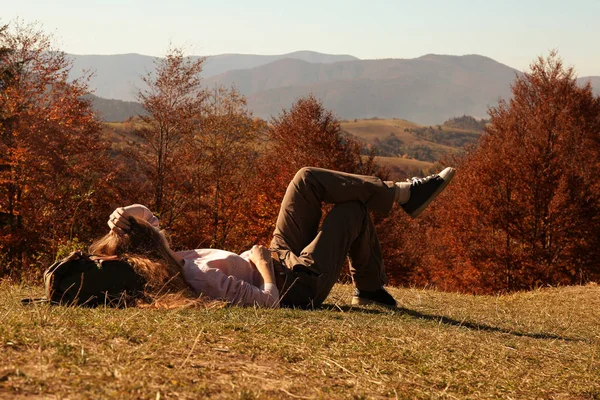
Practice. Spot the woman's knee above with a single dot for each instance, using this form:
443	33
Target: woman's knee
305	178
303	174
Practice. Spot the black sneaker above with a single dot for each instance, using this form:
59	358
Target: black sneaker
380	297
424	190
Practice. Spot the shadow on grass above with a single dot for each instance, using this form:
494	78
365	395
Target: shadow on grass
441	319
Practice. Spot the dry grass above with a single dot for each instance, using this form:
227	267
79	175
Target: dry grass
369	130
540	344
404	162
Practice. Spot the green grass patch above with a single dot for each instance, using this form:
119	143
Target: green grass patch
540	344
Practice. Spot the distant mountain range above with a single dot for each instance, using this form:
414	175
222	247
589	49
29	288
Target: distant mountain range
115	110
429	89
118	76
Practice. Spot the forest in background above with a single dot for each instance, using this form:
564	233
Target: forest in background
522	212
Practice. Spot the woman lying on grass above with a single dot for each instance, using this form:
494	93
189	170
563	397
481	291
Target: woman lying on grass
304	260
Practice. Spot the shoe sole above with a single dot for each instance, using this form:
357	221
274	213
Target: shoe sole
448	174
359	301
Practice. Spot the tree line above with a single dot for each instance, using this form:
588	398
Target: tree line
523	210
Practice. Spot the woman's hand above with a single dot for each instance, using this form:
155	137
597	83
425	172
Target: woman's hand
261	257
259	253
118	222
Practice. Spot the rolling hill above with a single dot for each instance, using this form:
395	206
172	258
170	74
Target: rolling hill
115	110
429	89
117	76
407	148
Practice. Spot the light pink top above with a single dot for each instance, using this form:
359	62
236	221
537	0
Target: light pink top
223	275
220	274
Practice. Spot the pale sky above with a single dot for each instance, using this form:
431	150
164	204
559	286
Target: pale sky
510	31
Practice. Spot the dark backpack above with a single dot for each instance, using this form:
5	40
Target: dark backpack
82	281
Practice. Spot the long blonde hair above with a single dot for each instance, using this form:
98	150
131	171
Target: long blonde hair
147	250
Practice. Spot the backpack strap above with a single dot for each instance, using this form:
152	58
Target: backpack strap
28	301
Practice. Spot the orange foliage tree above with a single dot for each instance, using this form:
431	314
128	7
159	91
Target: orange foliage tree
199	156
524	209
50	152
173	98
310	135
223	159
305	135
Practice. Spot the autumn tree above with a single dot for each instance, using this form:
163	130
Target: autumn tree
200	154
173	98
222	161
525	204
305	135
49	148
310	135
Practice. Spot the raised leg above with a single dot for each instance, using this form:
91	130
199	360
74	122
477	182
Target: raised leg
300	210
316	255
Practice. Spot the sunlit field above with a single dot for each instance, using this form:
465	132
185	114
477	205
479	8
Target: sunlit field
539	344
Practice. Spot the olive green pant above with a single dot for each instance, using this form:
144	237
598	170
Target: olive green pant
311	256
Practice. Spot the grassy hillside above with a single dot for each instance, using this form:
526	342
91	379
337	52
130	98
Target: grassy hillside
408	148
540	344
409	133
405	147
371	129
122	135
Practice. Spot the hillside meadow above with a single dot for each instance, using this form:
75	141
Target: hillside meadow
372	130
122	135
400	168
539	344
404	146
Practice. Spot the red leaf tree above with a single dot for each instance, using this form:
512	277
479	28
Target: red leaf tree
310	135
305	135
173	98
50	150
524	209
222	160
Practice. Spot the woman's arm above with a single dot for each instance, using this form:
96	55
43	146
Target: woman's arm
261	258
118	219
215	284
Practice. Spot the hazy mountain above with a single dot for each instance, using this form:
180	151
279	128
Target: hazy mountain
118	76
115	76
428	89
111	110
594	80
215	65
